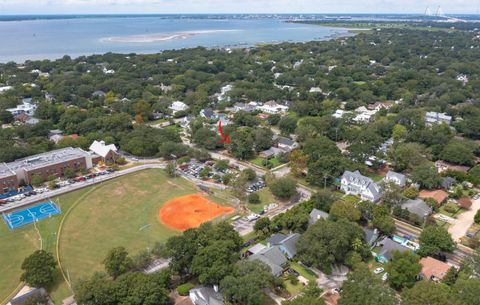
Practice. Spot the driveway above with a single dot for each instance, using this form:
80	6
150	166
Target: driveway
464	221
335	280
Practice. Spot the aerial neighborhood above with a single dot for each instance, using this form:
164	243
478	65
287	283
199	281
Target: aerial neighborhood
343	171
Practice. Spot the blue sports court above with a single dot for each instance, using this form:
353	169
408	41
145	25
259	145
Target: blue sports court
31	214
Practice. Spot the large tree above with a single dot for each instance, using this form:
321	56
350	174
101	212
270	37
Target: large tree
435	239
344	210
426	175
38	269
403	269
245	286
283	188
117	262
328	242
364	288
426	292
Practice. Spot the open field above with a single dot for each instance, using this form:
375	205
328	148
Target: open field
266	198
120	212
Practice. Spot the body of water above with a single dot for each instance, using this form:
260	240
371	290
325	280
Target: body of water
53	38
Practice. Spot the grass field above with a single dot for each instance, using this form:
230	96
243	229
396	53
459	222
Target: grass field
108	215
266	198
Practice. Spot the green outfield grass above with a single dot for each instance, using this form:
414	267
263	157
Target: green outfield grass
95	219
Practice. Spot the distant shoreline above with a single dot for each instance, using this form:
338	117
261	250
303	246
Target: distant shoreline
160	36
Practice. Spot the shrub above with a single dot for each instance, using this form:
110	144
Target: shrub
185	288
410	193
293	279
450	208
36	180
477	217
121	160
253	198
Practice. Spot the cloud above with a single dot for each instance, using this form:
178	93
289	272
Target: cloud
234	6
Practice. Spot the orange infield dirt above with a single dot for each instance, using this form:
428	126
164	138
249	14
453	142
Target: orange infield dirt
190	211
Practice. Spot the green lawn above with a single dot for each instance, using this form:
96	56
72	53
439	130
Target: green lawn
375	177
266	198
292	289
103	216
303	271
444	212
259	162
351	198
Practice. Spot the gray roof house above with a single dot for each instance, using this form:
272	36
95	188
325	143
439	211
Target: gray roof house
208	114
27	298
315	215
448	182
206	296
272	257
286	243
388	246
397	178
437	118
356	184
286	144
417	207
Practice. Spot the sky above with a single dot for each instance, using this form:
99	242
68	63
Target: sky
234	6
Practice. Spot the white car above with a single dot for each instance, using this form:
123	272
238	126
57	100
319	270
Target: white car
385	277
253	217
378	270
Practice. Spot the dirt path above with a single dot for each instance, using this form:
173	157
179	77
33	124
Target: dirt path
464	221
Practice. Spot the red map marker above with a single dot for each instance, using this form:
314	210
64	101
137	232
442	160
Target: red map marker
225	138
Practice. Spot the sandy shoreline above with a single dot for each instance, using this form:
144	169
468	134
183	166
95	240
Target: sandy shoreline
160	36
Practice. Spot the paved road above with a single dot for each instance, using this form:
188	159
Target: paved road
455	258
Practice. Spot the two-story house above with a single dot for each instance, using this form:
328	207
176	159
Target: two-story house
356	184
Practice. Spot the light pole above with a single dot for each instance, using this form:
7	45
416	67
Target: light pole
174	165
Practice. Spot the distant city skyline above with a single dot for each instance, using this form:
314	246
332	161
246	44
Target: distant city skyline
8	7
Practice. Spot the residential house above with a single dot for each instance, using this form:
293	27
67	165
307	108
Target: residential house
99	93
255	249
178	106
385	146
222	96
223	118
443	166
462	78
465	203
107	152
438	195
250	107
286	144
286	243
417	207
433	269
272	257
273	107
357	184
208	114
270	153
364	115
448	182
437	118
316	215
206	295
339	113
397	178
55	135
5	88
27	107
379	105
315	90
387	247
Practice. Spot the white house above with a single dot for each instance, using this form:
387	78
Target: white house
26	107
339	113
364	115
315	90
437	118
397	178
5	88
272	107
356	184
206	296
178	106
107	152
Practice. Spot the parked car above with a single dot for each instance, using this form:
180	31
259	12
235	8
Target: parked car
385	277
378	270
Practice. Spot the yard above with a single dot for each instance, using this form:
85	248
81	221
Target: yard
266	198
259	161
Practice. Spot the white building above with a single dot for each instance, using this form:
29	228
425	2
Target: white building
364	115
5	88
462	78
339	113
178	106
107	152
397	178
222	96
357	184
206	296
315	90
437	118
272	108
26	107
